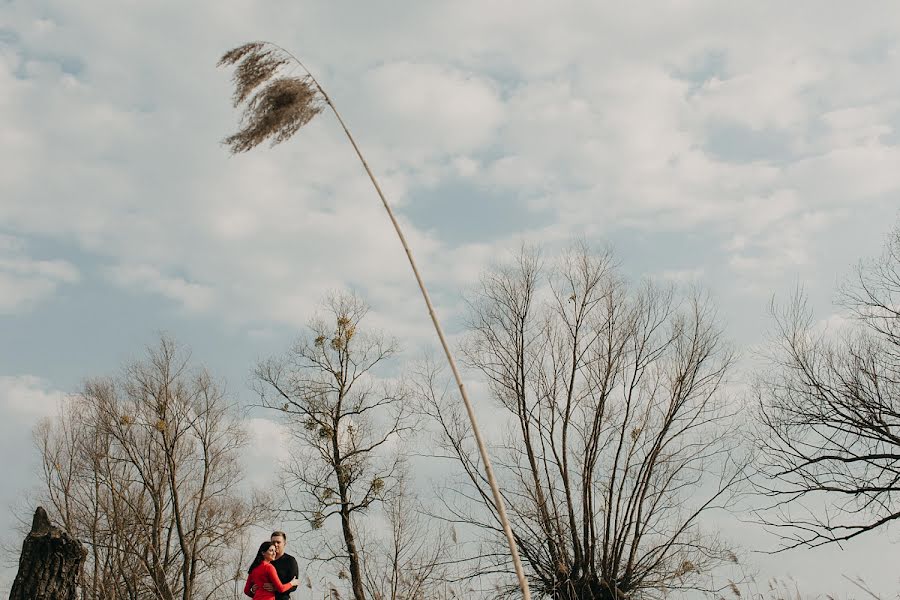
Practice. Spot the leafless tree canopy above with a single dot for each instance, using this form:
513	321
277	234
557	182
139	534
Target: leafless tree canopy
830	413
144	469
410	560
342	419
618	435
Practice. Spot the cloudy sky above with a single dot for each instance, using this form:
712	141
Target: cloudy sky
750	147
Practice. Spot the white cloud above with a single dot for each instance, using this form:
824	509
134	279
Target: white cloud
28	398
682	275
430	109
772	94
193	296
600	138
781	246
25	281
858	125
268	444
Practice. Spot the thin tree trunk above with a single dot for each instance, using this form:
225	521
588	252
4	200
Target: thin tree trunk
353	553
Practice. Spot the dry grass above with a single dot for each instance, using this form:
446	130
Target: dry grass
275	107
788	589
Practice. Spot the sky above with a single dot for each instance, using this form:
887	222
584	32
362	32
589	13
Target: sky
747	147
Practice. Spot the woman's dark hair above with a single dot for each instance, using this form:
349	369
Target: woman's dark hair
263	548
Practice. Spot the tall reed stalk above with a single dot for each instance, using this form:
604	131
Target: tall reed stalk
280	107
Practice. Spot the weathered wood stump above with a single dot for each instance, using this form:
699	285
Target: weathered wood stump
50	566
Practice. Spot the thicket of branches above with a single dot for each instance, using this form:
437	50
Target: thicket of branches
144	468
830	412
409	560
614	436
618	434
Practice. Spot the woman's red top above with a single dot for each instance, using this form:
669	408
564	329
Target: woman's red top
264	573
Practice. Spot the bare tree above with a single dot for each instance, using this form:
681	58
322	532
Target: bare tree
144	468
829	408
344	419
618	436
410	560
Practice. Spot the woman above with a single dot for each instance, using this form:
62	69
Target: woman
262	571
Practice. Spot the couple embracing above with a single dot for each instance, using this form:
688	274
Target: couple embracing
270	568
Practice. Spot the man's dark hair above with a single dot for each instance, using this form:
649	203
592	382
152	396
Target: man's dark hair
281	533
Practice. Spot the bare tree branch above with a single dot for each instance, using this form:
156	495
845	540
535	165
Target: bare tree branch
829	413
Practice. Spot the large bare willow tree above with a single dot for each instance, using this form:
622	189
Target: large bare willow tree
277	104
830	413
144	469
618	431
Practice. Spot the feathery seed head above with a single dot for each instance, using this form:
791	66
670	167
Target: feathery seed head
253	71
275	107
236	54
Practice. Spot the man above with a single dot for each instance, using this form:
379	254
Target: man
285	565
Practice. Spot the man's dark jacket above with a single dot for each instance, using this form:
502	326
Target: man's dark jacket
287	569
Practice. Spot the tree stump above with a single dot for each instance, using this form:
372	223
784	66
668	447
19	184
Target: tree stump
50	566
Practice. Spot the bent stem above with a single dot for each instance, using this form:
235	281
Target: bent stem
482	448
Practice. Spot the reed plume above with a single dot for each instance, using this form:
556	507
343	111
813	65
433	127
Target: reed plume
279	109
282	106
